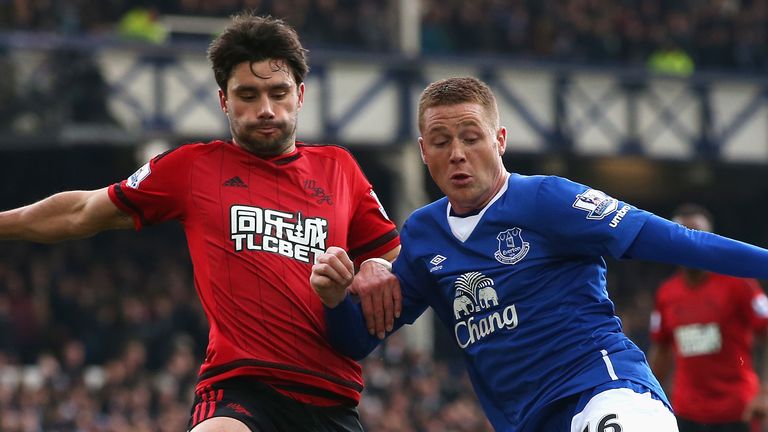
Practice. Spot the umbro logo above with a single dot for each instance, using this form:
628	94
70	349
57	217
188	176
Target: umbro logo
236	182
437	260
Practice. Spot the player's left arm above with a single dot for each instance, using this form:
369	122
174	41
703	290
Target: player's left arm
754	305
347	330
662	360
664	241
346	326
378	291
373	244
757	408
373	286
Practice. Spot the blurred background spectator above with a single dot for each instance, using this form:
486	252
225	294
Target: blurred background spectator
107	334
714	34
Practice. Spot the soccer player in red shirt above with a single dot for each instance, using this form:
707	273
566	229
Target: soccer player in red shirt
704	325
256	210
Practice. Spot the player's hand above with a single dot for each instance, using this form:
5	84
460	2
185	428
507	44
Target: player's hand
380	297
757	408
332	273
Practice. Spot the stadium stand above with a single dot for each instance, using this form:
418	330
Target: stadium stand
87	345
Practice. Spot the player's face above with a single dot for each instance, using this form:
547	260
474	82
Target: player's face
262	102
462	150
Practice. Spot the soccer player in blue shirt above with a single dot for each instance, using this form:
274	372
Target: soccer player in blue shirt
513	266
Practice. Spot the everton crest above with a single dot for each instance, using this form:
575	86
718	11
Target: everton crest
512	248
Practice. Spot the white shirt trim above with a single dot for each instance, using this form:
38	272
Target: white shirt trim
462	227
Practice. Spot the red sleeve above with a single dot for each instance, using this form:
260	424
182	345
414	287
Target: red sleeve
156	192
371	232
659	326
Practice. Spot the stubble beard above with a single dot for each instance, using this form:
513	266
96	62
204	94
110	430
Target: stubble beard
269	147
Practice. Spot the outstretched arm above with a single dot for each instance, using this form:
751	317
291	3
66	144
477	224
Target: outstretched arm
665	241
64	216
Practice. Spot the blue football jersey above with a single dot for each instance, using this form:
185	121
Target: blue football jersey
521	286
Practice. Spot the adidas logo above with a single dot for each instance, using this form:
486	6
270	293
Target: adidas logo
236	182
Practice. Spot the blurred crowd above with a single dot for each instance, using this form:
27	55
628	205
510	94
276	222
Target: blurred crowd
709	34
107	334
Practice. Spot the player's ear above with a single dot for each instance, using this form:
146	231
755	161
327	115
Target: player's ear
421	150
501	140
300	91
223	101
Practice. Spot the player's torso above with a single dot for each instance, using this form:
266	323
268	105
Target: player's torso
294	209
712	338
255	228
531	319
700	316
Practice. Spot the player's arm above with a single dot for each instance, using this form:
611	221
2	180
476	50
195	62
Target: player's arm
331	275
63	216
661	359
347	331
346	326
758	406
378	291
664	241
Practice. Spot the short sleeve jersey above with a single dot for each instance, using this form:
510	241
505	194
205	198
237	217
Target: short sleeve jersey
521	287
711	326
254	228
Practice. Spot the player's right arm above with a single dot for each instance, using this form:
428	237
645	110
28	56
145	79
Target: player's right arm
63	216
661	359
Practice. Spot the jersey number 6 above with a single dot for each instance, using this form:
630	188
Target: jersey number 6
606	425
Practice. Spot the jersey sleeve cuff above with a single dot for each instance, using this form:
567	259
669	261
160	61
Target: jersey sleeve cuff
121	201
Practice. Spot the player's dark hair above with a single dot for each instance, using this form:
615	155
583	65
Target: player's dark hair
692	209
252	38
458	90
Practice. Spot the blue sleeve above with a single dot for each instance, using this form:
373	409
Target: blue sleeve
345	324
668	242
346	330
586	221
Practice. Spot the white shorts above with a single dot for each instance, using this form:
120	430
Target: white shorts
623	410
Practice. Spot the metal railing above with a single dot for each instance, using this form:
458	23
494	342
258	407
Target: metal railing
106	91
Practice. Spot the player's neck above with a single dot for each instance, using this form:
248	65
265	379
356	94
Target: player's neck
694	277
269	155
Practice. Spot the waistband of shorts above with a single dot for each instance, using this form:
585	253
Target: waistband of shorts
638	388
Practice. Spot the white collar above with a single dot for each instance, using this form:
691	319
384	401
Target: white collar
462	227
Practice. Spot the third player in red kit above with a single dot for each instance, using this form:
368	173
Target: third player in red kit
705	324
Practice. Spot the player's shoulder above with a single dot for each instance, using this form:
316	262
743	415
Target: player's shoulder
543	186
331	151
540	194
188	150
556	184
522	180
733	281
427	215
